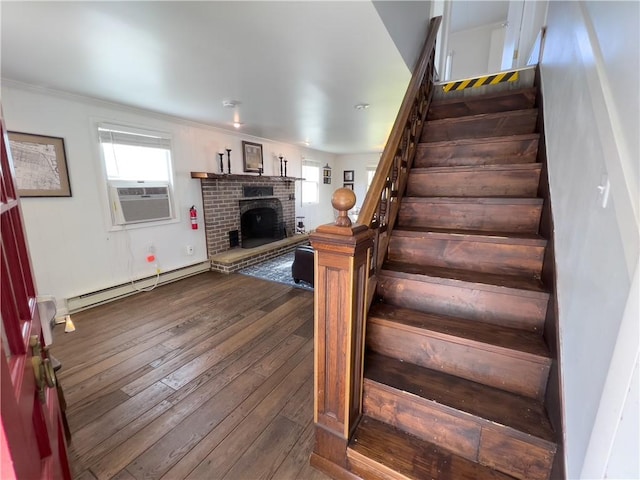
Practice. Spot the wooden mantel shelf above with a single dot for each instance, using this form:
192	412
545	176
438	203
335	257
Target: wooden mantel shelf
222	176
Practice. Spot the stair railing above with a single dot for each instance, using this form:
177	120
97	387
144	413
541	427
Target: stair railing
381	205
347	257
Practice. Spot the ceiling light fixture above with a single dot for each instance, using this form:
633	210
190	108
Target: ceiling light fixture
230	103
361	106
237	124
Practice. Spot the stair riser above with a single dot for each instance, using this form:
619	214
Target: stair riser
480	153
460	216
458	435
503	307
483	257
476	105
498	125
458	357
463	434
505	183
513	456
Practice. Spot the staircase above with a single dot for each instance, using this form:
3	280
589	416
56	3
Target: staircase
456	367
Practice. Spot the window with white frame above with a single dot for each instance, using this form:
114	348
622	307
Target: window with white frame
139	173
310	182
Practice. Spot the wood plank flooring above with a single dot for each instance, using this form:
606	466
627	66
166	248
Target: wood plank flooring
210	377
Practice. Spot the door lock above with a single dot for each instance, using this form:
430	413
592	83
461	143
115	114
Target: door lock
42	368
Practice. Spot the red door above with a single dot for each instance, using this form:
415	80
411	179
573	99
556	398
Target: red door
32	444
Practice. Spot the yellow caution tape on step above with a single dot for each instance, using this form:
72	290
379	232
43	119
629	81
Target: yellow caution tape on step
480	81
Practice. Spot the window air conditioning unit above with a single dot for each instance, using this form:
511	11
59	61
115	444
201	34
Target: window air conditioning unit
137	202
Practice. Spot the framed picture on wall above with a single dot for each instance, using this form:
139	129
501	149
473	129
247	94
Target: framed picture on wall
348	176
252	157
40	165
347	185
326	174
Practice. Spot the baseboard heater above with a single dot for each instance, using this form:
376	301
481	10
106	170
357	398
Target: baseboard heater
93	299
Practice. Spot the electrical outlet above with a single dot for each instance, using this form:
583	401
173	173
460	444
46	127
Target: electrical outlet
189	249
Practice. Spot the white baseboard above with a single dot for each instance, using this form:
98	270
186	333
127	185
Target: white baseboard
93	299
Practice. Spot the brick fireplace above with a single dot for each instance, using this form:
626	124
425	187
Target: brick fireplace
226	197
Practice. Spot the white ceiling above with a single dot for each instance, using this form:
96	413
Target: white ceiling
298	68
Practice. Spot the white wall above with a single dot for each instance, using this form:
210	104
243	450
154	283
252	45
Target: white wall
590	82
533	19
471	50
442	8
321	213
615	438
357	163
72	248
406	22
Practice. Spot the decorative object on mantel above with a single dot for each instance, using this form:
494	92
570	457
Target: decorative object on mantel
326	174
252	156
221	154
343	200
40	165
281	158
285	167
228	160
348	176
300	228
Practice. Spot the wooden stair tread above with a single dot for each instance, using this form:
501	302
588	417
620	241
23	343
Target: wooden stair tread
507	149
477	168
487	213
512	238
480	117
411	457
483	251
521	343
487	404
529	91
477	200
481	125
502	180
503	101
529	286
476	141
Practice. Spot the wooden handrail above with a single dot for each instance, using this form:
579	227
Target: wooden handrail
380	207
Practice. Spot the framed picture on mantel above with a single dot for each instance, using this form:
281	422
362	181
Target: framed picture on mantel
252	157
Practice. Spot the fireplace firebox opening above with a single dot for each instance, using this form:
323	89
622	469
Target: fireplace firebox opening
260	226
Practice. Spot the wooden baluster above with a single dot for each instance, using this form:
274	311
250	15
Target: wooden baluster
342	260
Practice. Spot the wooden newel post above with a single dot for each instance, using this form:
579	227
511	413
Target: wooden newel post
342	260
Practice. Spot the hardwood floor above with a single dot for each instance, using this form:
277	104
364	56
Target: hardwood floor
210	377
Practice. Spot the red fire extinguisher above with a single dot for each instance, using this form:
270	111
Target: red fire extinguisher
193	215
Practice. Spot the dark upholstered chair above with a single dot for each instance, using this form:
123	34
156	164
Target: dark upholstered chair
302	266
